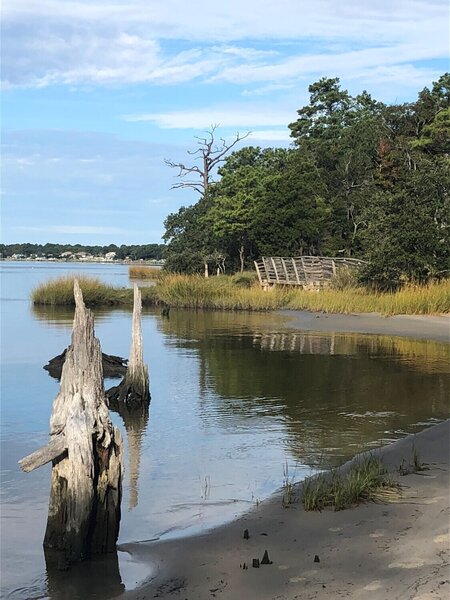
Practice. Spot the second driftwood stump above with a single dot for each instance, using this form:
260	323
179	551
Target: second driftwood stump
85	450
134	389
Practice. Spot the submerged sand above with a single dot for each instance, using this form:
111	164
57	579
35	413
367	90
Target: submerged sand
378	551
412	326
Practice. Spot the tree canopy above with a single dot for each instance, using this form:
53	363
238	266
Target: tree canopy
361	178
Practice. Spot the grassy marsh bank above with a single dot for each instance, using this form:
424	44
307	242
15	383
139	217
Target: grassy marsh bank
143	272
240	292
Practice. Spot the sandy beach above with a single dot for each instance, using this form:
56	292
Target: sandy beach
412	326
398	549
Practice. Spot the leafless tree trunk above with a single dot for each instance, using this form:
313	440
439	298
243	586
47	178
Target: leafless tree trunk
210	154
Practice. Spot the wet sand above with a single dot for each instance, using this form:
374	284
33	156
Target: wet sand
399	549
414	326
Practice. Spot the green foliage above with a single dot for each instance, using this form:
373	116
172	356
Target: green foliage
362	179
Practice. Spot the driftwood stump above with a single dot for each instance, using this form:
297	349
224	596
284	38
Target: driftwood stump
86	451
134	388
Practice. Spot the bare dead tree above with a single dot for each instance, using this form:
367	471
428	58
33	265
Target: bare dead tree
210	153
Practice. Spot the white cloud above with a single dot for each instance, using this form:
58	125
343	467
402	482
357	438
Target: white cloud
272	135
104	42
202	21
345	63
222	116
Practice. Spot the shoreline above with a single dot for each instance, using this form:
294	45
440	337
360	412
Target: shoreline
398	549
429	327
192	567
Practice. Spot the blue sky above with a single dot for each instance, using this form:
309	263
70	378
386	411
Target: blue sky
97	93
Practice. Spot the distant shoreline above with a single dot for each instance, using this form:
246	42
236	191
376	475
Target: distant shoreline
150	262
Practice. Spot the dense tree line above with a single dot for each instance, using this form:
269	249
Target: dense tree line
134	252
361	178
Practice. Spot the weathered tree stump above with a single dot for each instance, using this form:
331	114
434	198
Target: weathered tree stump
86	450
134	388
113	366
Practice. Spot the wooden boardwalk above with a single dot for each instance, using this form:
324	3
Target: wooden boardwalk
304	271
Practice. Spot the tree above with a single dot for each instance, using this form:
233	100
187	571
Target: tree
238	199
211	154
341	133
180	226
190	243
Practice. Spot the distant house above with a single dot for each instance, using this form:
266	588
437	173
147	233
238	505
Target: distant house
110	256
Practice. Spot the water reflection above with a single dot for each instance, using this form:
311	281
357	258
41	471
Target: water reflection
62	316
335	394
98	577
234	396
135	419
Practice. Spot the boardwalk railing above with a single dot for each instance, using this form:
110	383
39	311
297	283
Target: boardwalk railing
303	271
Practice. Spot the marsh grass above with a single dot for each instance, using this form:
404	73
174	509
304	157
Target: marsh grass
239	293
59	291
366	480
417	300
146	273
233	293
417	465
288	486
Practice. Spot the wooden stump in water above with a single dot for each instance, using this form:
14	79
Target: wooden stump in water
134	388
86	450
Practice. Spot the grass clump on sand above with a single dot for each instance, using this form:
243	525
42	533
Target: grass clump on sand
59	291
146	273
366	480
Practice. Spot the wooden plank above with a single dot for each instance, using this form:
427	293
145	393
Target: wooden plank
285	270
258	273
296	272
275	269
304	270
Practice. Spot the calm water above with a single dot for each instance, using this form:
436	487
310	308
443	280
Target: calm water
235	396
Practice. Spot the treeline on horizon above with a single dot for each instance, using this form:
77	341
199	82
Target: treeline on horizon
361	179
134	252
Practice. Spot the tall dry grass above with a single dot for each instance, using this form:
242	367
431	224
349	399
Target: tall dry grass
59	291
228	293
432	299
143	272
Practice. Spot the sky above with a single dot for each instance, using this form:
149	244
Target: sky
97	93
